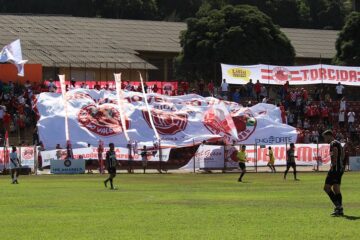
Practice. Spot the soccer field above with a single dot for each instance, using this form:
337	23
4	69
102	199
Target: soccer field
177	206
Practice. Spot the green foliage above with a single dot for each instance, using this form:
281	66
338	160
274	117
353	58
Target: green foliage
178	10
236	35
327	14
348	43
177	206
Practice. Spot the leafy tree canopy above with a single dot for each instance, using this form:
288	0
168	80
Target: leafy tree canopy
348	43
233	34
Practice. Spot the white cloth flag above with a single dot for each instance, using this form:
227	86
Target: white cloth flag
180	120
12	53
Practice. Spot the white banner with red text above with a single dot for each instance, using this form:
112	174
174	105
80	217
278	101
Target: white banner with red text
296	75
212	156
180	120
26	156
122	154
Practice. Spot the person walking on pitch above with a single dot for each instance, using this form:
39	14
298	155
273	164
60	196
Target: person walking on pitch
271	160
333	179
111	164
14	166
242	158
290	161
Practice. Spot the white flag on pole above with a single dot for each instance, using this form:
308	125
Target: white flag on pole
12	53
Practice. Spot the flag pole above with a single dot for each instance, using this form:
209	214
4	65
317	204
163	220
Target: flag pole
148	109
67	134
119	96
151	121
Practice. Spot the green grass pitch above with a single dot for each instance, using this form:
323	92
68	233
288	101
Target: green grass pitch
177	206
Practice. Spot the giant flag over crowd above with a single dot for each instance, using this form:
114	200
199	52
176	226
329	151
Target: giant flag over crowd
179	120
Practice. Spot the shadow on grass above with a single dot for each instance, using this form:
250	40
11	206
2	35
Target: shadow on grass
351	218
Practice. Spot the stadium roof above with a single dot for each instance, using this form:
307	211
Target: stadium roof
312	43
60	40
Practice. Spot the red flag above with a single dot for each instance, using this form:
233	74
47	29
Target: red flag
6	139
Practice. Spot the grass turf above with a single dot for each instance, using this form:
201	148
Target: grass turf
176	206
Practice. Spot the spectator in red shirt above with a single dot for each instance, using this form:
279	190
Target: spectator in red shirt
6	121
257	88
211	88
201	87
325	115
98	87
155	88
305	95
185	87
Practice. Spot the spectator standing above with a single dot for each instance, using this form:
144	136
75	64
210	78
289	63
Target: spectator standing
306	124
263	92
185	87
342	104
250	88
128	86
97	86
201	87
224	89
51	86
325	114
341	119
351	117
236	96
257	89
291	119
211	88
339	90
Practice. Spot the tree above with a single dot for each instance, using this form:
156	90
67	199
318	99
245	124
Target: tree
178	10
235	35
348	42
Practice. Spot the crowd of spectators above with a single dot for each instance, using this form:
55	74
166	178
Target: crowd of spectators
310	110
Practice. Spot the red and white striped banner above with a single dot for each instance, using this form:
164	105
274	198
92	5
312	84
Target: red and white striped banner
296	75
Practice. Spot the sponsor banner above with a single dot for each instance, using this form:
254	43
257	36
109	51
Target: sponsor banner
67	166
2	155
122	154
208	156
179	120
354	163
296	75
27	156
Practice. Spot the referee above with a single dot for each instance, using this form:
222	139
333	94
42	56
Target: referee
242	158
111	164
333	179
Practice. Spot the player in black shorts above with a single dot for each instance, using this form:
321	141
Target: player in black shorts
111	164
290	161
333	179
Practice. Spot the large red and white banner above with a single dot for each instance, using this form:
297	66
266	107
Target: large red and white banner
179	120
122	154
212	157
296	75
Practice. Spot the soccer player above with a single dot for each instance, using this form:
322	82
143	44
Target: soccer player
111	164
242	158
271	160
290	161
14	166
144	159
333	179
